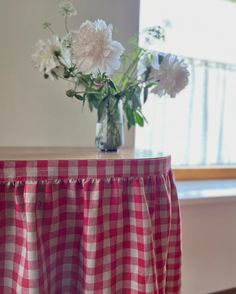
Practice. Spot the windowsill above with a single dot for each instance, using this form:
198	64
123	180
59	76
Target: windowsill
208	191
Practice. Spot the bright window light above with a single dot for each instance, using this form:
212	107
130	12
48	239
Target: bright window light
198	127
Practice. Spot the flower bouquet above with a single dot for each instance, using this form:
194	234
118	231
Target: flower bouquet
100	74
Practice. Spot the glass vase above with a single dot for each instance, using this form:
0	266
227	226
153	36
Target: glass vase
110	127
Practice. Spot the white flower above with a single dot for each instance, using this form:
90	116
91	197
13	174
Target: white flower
147	60
172	77
94	50
50	57
67	9
57	72
45	56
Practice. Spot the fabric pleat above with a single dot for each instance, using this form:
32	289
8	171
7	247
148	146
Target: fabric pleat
115	232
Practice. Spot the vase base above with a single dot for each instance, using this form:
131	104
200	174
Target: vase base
109	150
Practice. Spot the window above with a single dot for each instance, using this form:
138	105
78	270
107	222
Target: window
198	127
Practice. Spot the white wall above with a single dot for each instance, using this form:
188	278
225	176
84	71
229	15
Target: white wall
209	246
34	111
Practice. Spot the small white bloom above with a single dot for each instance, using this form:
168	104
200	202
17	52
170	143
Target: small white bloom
148	59
172	77
94	50
67	9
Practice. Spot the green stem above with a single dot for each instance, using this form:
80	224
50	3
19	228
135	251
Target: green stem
66	24
130	67
87	92
49	28
113	131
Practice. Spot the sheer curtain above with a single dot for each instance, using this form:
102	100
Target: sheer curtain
199	126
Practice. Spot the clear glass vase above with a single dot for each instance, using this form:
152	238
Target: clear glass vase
110	127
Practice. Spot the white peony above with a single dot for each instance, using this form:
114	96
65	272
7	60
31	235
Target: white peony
94	50
172	77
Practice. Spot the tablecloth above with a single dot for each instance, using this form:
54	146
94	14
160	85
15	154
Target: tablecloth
89	226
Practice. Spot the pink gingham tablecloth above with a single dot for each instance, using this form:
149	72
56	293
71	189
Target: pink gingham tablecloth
89	226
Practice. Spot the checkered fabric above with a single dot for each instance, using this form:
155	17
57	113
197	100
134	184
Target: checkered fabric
89	226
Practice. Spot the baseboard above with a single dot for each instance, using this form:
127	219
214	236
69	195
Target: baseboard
229	291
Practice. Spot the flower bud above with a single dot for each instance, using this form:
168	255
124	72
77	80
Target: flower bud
70	93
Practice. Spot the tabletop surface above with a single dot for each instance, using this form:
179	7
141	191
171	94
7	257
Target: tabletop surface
73	153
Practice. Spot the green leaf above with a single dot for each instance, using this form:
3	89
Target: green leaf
147	73
111	84
137	97
119	95
90	105
130	116
144	118
79	97
85	80
150	84
145	94
133	41
139	120
96	103
92	101
117	77
101	109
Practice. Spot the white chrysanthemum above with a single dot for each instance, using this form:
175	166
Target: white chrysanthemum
172	77
67	9
50	57
45	56
94	50
58	71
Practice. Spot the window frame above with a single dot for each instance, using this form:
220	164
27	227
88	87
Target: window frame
204	173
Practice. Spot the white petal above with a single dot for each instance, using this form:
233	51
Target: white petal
92	47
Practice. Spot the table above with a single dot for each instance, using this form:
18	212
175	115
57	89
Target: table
77	220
